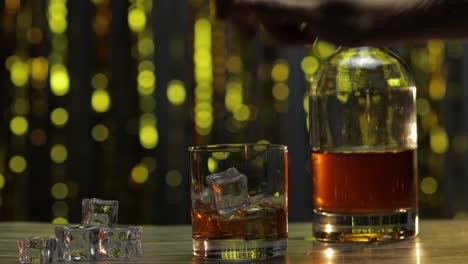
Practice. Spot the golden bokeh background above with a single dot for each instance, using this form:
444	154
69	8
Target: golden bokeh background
102	98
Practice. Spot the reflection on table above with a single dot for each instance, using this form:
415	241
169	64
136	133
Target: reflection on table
440	241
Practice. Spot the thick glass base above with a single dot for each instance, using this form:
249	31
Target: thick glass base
364	228
238	250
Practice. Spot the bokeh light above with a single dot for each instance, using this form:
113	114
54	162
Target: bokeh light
280	91
394	82
437	88
100	101
305	104
309	65
242	113
39	68
59	117
173	178
12	5
212	165
146	80
203	94
430	120
139	174
59	80
203	73
149	136
2	181
435	50
21	106
203	33
19	75
439	140
137	19
58	24
176	92
99	81
204	118
100	133
280	71
60	221
10	60
17	164
235	92
147	119
324	49
145	46
59	191
19	125
428	185
423	106
220	155
58	153
233	97
146	65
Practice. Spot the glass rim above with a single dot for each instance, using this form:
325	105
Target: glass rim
235	147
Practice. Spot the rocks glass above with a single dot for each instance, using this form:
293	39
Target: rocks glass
239	201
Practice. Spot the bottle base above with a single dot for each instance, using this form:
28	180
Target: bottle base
238	250
365	228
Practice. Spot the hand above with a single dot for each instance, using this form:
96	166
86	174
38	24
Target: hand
348	22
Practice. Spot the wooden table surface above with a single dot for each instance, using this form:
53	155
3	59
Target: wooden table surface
439	241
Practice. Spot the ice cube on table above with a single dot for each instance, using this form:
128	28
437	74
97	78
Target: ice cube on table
99	212
120	242
37	250
77	242
229	190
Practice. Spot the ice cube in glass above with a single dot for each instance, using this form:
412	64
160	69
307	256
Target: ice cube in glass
228	190
77	242
99	212
120	242
37	250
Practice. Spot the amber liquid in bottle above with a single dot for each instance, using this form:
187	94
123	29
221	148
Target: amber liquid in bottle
364	182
